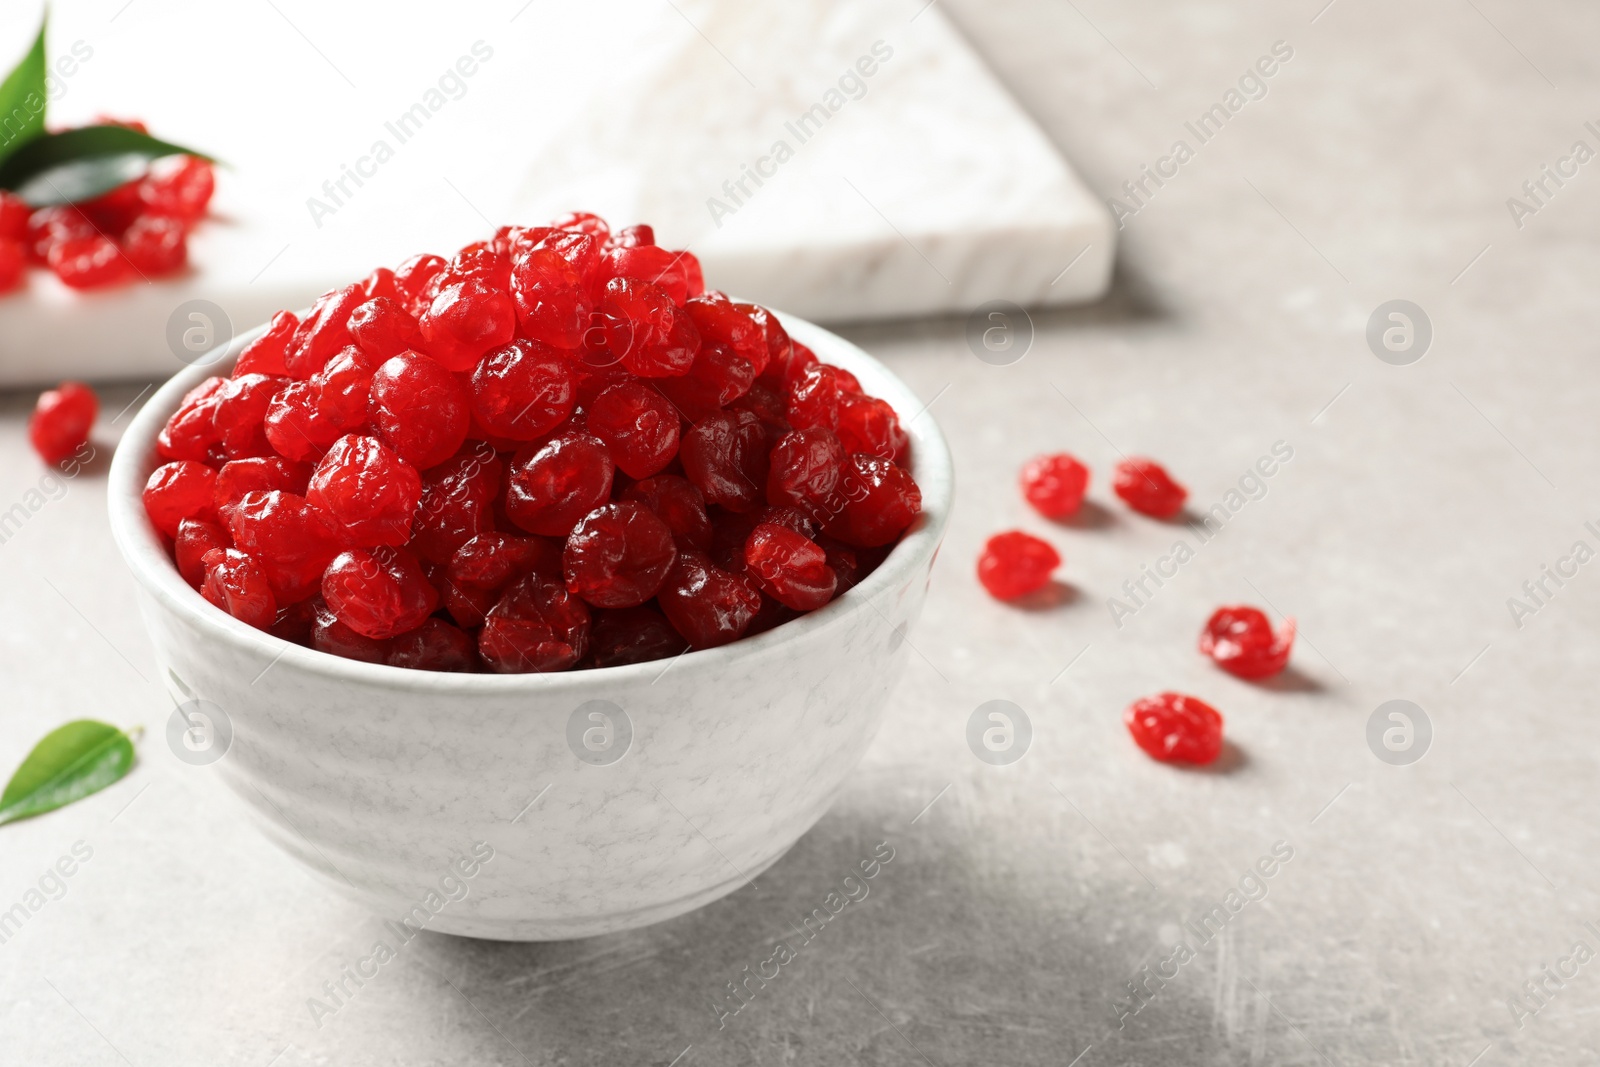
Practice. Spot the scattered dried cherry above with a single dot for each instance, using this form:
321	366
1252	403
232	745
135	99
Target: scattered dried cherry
1014	564
1240	640
61	421
1055	484
1175	728
1146	487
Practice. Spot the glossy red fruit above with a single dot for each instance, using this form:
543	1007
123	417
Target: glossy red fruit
291	540
178	491
706	604
618	555
554	485
805	469
649	263
678	504
535	627
726	457
465	320
13	264
1175	728
870	425
721	321
341	392
381	282
192	430
294	426
61	421
325	331
330	635
382	329
493	560
638	425
413	278
380	593
419	409
239	477
523	390
482	261
718	377
194	539
240	409
457	502
1240	640
1054	484
814	398
651	335
552	303
1014	564
155	246
789	567
881	500
178	186
265	355
1146	487
236	583
90	262
632	635
367	492
785	368
434	646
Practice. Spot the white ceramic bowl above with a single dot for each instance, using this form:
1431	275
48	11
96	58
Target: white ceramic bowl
395	784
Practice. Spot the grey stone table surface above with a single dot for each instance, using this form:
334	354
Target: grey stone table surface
1439	912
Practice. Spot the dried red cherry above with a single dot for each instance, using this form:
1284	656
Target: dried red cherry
706	604
368	493
465	320
1054	484
380	593
726	457
618	555
535	627
419	409
235	583
523	390
61	421
178	491
678	504
557	483
638	425
789	567
881	500
195	538
1147	487
1014	564
291	540
1175	728
1240	640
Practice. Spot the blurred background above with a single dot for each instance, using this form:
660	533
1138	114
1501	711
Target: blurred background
1002	153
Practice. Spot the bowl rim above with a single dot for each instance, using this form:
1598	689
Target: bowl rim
145	554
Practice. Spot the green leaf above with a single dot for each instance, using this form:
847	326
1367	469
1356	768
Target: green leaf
78	759
23	97
76	165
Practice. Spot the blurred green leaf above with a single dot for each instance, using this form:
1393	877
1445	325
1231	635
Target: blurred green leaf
73	761
23	98
76	165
